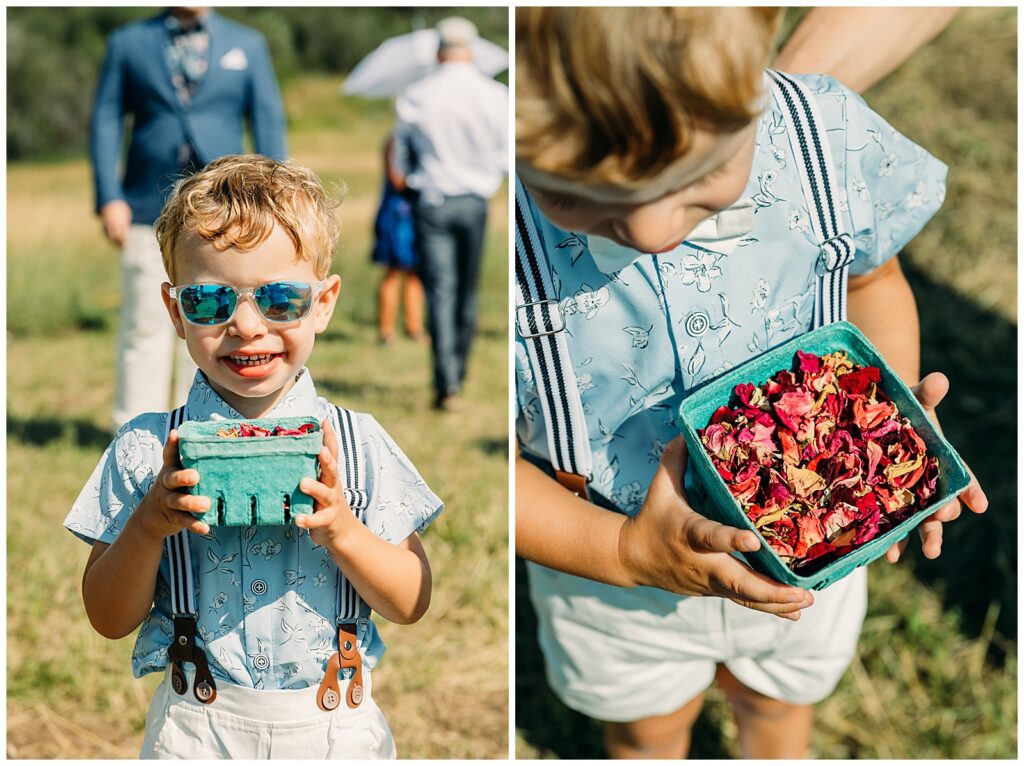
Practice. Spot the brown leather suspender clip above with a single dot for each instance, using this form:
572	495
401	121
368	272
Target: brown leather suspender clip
328	697
183	649
574	483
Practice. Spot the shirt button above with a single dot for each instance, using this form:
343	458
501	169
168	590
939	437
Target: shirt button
697	324
259	587
261	662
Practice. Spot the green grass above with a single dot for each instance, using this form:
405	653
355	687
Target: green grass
444	681
936	671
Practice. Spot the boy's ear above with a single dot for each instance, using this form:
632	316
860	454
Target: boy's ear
326	302
173	310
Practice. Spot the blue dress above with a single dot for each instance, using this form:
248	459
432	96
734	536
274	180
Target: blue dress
394	243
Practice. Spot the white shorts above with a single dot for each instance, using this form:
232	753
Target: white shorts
620	654
252	724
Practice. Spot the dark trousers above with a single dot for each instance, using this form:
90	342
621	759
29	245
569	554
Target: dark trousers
449	242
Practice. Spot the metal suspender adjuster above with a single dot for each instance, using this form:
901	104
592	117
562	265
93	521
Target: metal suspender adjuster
556	322
328	697
183	649
835	253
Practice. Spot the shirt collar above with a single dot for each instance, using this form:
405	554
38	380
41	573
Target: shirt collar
204	403
175	27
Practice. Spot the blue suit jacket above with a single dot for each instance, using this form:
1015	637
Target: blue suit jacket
136	81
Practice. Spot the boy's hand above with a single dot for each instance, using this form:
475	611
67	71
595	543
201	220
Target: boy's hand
930	391
669	545
332	518
164	510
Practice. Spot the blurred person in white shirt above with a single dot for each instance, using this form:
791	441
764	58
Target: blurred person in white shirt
451	146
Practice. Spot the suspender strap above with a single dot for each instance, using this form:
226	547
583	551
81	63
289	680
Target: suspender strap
183	605
814	161
350	607
540	323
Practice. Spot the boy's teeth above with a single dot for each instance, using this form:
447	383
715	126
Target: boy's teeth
252	360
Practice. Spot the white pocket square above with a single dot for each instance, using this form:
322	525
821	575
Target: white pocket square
234	59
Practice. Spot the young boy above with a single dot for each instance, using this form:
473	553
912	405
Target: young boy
680	211
251	624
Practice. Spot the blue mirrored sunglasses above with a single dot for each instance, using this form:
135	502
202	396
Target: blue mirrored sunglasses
212	304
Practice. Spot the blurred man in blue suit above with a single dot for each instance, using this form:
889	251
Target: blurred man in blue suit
188	78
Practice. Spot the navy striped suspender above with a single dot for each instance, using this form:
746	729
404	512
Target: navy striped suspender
813	159
350	605
183	597
183	648
540	323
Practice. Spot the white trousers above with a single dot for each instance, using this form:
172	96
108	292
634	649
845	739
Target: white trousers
149	352
252	724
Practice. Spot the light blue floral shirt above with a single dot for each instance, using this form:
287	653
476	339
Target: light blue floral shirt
266	594
644	337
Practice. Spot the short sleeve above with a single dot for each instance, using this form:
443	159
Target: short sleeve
399	501
893	186
117	484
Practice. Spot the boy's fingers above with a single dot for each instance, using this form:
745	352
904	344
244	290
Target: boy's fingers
931	538
668	478
707	536
313	520
748	588
187	477
949	512
896	550
171	450
974	495
328	467
330	438
191	523
318	491
180	501
931	390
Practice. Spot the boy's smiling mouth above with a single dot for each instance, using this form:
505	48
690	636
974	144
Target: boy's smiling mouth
252	365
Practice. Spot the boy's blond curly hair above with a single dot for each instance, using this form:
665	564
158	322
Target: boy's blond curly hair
614	95
235	201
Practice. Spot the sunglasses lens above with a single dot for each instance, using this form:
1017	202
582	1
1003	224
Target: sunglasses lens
284	301
208	304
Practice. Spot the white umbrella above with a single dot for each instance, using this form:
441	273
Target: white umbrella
400	61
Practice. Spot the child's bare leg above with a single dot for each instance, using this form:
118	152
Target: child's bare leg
659	736
412	290
387	303
768	728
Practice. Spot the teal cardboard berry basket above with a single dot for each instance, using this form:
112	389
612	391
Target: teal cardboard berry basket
718	503
251	480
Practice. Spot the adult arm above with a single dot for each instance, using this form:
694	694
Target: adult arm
395	176
882	305
859	46
266	115
106	132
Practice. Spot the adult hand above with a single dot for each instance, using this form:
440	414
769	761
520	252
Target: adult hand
930	391
332	517
165	510
669	545
117	217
